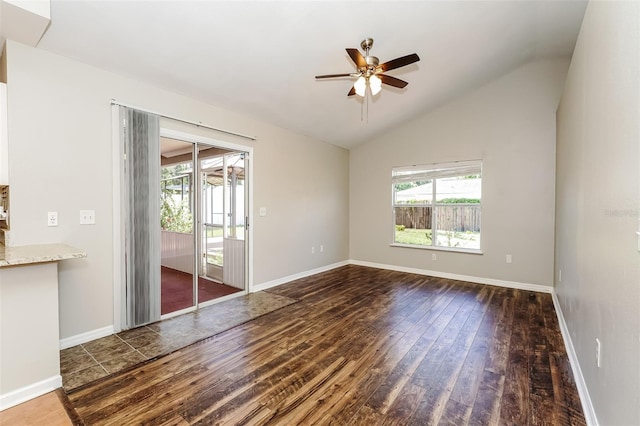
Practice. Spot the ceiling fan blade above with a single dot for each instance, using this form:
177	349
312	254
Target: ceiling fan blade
398	62
357	57
352	91
333	75
392	81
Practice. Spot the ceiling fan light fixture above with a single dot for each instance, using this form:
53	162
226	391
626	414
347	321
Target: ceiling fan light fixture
370	72
376	84
360	85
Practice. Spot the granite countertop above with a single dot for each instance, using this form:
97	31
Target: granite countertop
37	253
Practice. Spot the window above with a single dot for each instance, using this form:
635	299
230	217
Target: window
176	198
438	206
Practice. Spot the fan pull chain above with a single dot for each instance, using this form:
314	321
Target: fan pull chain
364	105
366	101
367	95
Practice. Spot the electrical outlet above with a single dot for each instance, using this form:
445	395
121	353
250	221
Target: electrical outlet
87	217
321	248
433	256
509	258
52	218
598	352
313	250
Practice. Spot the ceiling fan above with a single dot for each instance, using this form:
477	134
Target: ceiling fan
370	71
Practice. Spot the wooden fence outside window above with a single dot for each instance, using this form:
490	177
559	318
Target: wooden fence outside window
454	217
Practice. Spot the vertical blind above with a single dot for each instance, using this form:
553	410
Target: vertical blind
141	134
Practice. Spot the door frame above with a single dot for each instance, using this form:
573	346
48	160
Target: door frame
119	272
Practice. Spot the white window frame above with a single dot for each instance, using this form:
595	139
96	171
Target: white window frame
432	172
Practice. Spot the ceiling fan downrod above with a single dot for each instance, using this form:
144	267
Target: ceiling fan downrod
372	61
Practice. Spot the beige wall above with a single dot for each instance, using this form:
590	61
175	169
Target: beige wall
510	125
61	160
598	207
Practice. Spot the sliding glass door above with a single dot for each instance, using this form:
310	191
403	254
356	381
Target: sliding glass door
202	206
223	218
177	224
235	226
183	233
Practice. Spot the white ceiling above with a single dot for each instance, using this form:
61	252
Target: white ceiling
260	58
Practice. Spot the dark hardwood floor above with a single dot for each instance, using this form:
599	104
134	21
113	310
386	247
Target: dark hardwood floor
364	346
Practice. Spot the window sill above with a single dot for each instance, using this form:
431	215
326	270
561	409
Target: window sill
451	249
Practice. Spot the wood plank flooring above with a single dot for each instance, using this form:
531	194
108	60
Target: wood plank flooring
44	410
363	346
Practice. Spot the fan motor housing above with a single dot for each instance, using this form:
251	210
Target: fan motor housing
372	61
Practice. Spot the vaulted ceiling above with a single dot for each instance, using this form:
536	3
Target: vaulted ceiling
259	58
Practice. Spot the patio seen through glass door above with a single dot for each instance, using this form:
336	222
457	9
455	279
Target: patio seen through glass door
199	214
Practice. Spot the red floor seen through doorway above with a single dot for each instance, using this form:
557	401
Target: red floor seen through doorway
177	290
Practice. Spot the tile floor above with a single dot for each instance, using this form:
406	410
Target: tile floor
99	358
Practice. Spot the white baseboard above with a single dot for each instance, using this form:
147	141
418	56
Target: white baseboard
480	280
31	391
583	391
109	330
283	280
79	339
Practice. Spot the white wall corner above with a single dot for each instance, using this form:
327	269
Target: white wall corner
583	391
24	21
479	280
79	339
29	392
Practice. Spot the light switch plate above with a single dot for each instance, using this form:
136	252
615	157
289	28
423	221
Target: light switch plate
87	217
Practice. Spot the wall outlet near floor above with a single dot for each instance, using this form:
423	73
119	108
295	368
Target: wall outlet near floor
598	352
509	258
52	218
321	248
313	250
433	256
